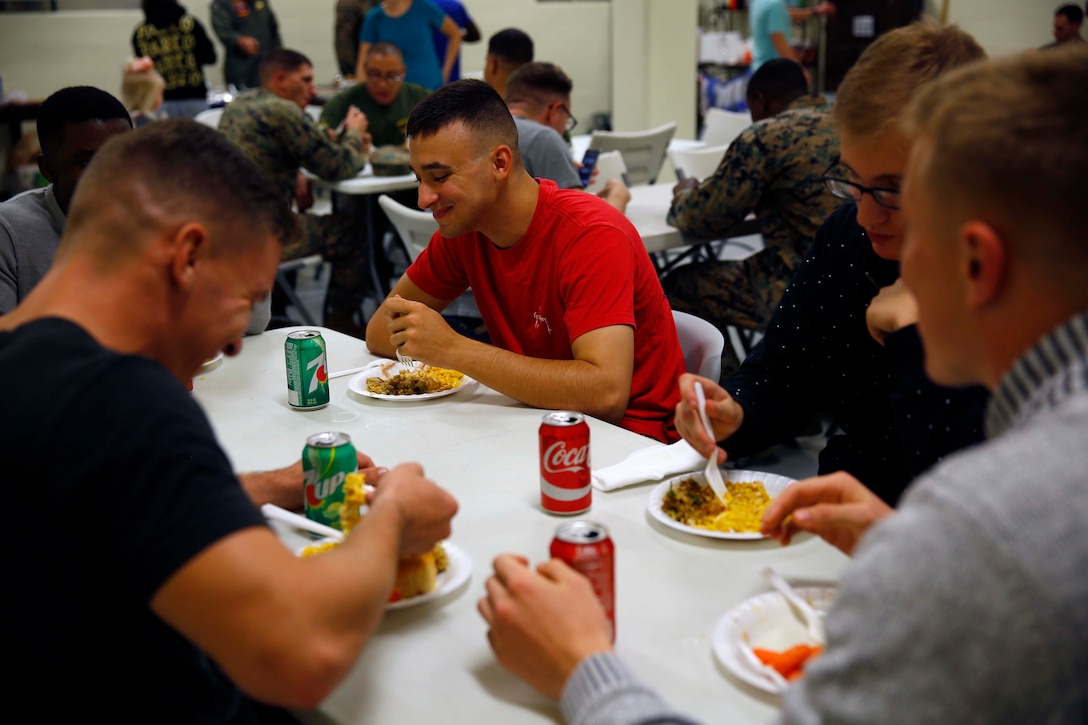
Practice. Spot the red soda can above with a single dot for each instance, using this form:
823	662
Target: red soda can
587	548
564	463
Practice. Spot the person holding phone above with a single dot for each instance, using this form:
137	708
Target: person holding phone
538	97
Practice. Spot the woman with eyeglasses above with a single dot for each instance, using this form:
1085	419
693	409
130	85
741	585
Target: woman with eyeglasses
843	339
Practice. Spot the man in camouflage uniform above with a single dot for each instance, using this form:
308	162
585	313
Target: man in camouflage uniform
774	169
350	15
248	30
272	128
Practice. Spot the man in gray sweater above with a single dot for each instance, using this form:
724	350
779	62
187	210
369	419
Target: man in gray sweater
969	602
72	124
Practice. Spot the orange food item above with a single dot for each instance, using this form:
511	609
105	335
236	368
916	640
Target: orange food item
790	663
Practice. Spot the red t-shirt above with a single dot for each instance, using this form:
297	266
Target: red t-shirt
581	266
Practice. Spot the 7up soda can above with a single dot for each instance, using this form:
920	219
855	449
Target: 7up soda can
326	460
307	373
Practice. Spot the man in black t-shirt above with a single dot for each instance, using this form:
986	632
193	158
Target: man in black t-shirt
158	594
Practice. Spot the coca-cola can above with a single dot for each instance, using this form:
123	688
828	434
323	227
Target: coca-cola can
587	548
564	463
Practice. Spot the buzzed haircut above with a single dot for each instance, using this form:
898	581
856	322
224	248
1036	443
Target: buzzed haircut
470	102
537	84
512	46
1009	145
875	93
385	48
189	171
779	79
1072	13
281	59
73	105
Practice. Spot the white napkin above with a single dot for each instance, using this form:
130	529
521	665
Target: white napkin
649	464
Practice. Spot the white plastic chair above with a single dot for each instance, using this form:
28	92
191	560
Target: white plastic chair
697	163
721	127
643	151
701	343
415	227
210	117
609	166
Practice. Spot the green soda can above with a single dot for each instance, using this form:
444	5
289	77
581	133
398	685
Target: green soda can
326	460
307	373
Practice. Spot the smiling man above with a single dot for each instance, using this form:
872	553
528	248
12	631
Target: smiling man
563	282
843	338
383	96
156	555
72	124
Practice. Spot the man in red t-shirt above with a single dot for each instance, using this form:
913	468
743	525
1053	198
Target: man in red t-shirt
563	282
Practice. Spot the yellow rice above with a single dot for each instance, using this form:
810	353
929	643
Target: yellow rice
695	504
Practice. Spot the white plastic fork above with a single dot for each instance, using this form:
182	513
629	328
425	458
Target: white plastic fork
712	473
814	622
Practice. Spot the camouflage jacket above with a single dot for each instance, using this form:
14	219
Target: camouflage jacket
280	137
773	169
349	24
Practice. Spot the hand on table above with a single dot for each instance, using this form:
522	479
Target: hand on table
836	507
725	415
424	509
616	193
283	486
419	331
684	185
248	45
542	623
893	308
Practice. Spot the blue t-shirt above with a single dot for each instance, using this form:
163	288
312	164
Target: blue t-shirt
765	18
413	33
460	16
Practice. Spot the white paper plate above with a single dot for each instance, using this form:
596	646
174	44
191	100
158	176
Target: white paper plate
388	368
457	573
765	621
771	481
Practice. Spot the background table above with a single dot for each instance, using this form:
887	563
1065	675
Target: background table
432	663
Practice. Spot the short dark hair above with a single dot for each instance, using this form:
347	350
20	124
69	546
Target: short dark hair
538	83
281	59
1072	13
468	101
76	104
189	169
780	80
511	45
385	48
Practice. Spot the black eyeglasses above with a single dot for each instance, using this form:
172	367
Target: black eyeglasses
845	189
378	77
571	120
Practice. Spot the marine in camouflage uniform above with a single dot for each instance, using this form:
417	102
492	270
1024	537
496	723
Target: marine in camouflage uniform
232	19
280	137
350	15
772	169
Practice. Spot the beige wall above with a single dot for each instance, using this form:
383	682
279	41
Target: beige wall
630	55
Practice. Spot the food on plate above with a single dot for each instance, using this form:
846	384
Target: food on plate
415	574
695	504
420	381
790	663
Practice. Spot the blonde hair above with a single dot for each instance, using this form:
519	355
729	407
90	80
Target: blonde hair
141	87
875	93
1009	144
